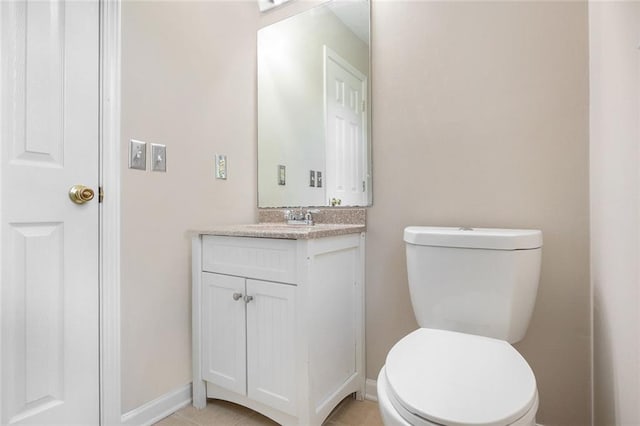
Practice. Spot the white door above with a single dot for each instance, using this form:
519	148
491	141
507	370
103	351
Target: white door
223	332
271	361
48	244
345	100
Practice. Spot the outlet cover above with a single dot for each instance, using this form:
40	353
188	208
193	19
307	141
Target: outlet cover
221	166
137	155
158	158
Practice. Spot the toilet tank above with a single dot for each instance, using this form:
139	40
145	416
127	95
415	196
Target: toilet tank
474	280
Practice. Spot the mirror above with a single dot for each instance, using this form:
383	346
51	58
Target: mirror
314	144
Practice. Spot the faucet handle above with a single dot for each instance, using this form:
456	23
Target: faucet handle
308	217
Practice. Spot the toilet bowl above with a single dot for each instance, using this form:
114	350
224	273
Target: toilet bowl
438	377
473	292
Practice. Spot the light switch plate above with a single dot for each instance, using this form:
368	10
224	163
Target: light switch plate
158	157
318	179
221	166
137	155
312	178
282	174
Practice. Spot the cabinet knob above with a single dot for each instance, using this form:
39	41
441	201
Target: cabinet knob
248	299
237	296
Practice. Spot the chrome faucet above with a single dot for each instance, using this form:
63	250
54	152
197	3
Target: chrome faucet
299	217
291	215
308	217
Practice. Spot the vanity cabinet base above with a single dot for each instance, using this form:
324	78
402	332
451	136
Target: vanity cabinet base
313	419
314	314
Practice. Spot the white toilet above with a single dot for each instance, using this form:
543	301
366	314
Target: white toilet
473	292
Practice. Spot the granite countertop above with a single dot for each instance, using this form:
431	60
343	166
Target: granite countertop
284	231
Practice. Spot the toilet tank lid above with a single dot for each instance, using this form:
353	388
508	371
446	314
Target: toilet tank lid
480	238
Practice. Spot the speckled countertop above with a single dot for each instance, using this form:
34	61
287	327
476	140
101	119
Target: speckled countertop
284	231
330	215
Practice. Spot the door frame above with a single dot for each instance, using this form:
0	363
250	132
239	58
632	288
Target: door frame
109	213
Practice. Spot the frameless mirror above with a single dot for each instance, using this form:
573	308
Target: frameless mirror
313	108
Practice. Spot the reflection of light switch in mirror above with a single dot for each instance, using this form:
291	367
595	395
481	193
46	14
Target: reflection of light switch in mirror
221	166
158	158
312	178
282	175
318	179
137	155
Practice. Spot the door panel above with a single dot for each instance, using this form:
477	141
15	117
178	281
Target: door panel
36	289
271	366
39	67
49	246
223	331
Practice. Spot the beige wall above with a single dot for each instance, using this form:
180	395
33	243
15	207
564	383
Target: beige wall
188	75
480	117
615	190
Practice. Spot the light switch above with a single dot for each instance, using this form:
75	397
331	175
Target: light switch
318	179
282	174
312	178
158	158
137	155
221	166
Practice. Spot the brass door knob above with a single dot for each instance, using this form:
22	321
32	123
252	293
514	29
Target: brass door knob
80	194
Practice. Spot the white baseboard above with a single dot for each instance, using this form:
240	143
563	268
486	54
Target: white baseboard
156	410
371	390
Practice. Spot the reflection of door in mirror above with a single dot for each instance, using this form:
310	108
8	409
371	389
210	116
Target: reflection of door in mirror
345	120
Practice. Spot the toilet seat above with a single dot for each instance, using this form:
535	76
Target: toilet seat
450	378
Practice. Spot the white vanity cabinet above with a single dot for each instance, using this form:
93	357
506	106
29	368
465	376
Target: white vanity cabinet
278	324
248	335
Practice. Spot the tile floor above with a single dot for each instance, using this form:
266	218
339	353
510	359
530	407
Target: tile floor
349	413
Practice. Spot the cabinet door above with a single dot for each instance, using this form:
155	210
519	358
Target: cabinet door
271	364
223	331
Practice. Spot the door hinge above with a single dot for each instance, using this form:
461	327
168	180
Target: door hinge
364	186
100	194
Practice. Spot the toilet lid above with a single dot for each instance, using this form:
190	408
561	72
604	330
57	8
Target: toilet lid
459	379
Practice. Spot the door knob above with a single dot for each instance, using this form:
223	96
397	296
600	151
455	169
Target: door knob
80	194
237	296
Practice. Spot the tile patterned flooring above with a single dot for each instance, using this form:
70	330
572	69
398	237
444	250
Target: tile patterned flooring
349	413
